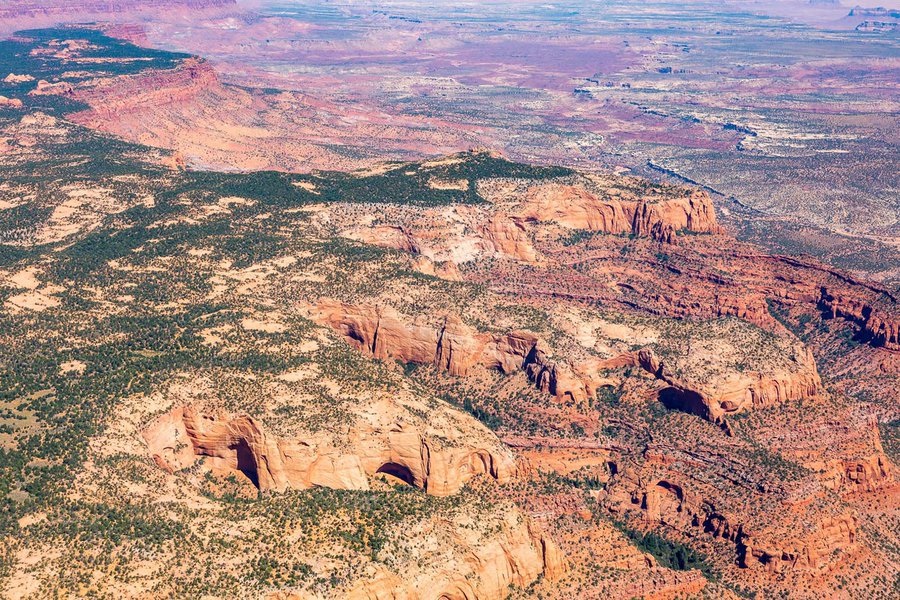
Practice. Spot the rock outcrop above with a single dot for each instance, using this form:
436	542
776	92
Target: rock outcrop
111	98
855	476
402	452
877	329
454	347
575	207
672	504
731	395
508	236
814	551
490	567
10	102
240	445
45	88
15	78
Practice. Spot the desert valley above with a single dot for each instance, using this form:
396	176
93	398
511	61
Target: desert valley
305	300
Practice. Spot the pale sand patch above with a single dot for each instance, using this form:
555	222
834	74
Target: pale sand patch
72	366
301	373
24	582
284	261
266	326
309	186
26	278
32	519
36	301
199	252
308	346
454	184
624	333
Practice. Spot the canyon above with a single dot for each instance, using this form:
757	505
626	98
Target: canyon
273	342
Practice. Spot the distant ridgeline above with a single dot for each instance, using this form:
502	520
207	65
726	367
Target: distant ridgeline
68	57
41	55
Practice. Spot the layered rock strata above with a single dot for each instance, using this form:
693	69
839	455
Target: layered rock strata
575	207
241	445
877	329
456	348
668	502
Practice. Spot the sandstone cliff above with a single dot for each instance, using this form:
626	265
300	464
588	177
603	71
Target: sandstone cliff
738	392
575	207
383	333
177	439
474	566
112	98
240	445
878	329
670	503
456	348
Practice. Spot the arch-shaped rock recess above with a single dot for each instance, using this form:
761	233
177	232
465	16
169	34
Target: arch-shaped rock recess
240	445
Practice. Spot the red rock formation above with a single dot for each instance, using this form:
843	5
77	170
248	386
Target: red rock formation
179	437
577	208
112	98
454	347
670	503
10	102
508	236
14	78
240	444
489	567
666	584
45	88
856	476
730	396
880	330
401	451
813	551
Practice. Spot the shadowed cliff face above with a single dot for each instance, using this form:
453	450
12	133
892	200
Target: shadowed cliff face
601	362
241	445
458	349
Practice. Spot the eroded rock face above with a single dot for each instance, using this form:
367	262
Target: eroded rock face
129	93
485	570
508	236
404	453
669	502
575	207
735	394
814	551
385	334
456	348
10	102
879	330
240	445
178	438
